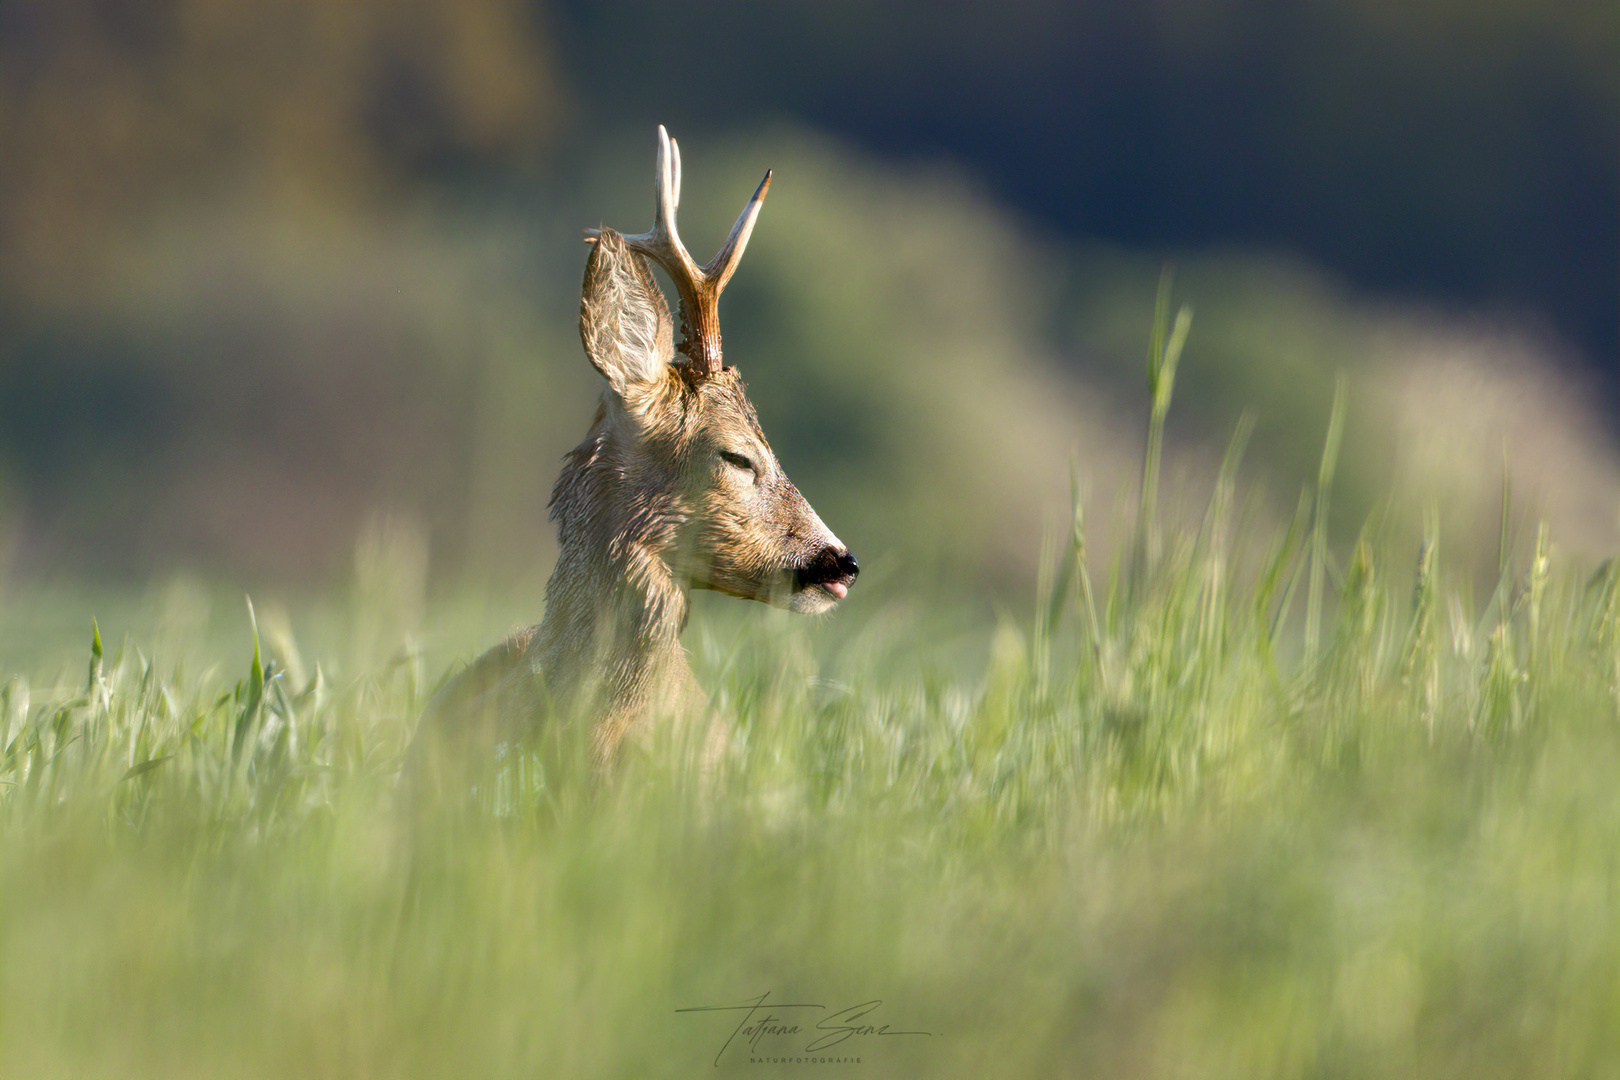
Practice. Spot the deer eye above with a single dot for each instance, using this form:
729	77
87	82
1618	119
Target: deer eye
737	461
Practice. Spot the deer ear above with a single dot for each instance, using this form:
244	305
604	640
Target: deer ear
623	319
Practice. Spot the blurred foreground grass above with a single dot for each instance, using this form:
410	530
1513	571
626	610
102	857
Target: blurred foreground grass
1234	807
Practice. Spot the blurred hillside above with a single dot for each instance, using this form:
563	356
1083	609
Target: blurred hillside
268	273
1455	151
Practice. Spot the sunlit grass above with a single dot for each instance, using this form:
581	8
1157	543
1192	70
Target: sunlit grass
1234	804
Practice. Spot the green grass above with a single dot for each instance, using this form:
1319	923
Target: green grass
1229	807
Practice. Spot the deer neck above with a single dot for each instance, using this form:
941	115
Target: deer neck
609	643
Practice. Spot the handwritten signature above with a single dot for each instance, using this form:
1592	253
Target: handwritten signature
759	1020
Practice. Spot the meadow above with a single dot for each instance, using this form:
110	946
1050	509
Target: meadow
1234	800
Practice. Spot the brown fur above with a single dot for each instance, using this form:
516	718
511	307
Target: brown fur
654	502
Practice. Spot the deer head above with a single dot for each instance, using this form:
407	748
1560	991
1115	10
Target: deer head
689	485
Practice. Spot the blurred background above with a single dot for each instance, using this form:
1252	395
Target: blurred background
281	279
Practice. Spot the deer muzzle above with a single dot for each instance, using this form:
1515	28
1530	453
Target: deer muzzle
833	570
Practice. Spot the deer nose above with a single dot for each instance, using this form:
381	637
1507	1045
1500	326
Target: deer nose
832	567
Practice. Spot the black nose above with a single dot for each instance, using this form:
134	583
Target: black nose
830	564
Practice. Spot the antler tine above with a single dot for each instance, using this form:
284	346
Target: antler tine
664	210
724	264
675	152
663	240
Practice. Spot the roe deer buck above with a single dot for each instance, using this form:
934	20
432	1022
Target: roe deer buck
674	488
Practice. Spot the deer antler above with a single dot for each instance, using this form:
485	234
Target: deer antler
699	287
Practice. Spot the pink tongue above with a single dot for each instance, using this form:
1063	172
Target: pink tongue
837	588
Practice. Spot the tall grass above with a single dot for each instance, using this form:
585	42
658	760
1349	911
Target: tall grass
1176	824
